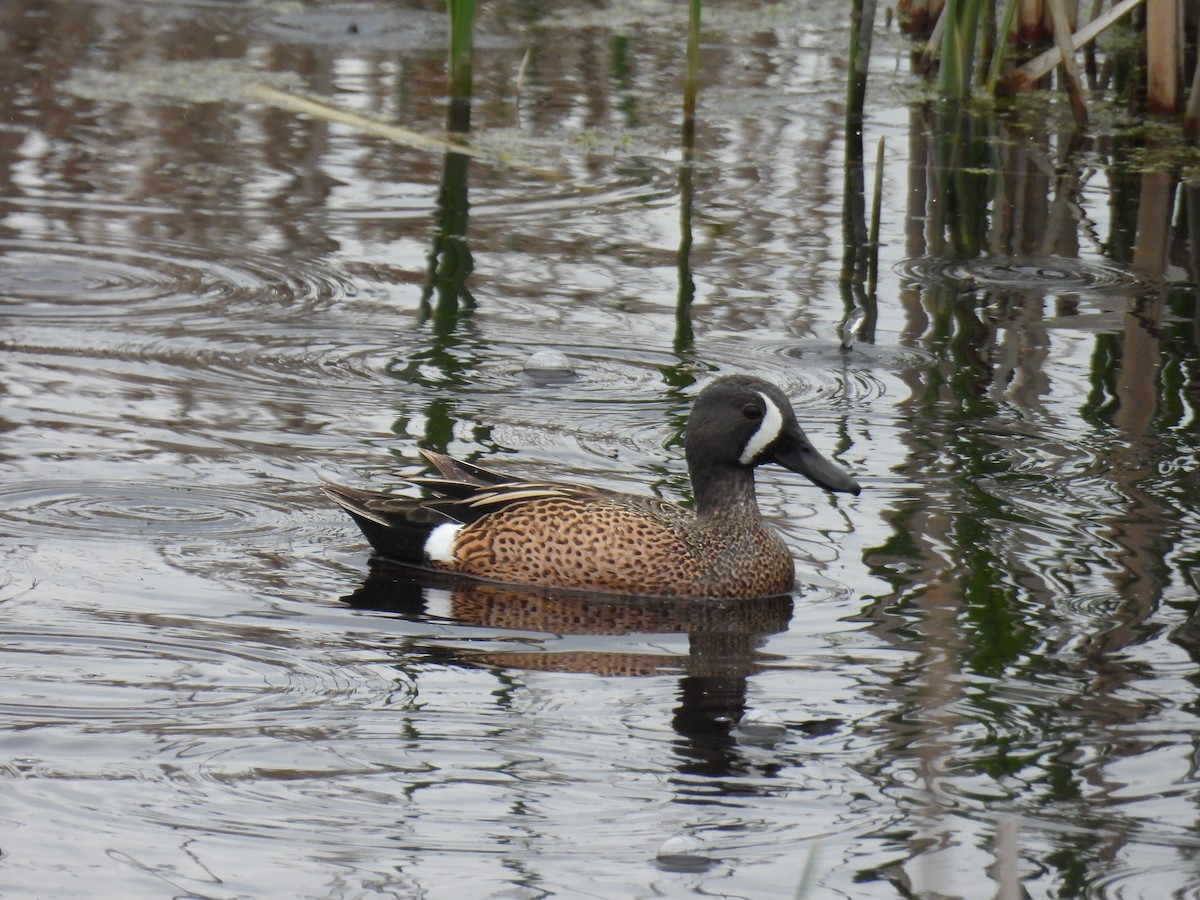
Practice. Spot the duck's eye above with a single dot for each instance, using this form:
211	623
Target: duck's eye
752	412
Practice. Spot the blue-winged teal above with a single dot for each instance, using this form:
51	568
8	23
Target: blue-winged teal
486	525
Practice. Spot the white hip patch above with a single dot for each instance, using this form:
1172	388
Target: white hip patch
768	431
439	546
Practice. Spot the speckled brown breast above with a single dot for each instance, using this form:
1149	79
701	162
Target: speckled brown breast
626	544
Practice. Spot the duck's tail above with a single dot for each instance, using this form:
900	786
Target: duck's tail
398	528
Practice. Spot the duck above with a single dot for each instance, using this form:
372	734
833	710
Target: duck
487	526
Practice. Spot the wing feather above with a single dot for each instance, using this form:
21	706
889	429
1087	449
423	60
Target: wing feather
462	493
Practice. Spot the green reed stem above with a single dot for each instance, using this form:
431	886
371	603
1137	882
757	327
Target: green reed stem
687	284
958	48
691	79
462	31
862	28
1001	49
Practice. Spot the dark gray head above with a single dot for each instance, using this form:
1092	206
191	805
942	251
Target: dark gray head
739	422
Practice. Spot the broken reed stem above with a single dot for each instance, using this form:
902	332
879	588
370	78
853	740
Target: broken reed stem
933	46
1029	74
393	133
329	113
521	70
876	214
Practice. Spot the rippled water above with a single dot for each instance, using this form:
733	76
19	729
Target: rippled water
986	676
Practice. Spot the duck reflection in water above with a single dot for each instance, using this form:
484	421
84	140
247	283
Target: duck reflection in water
724	644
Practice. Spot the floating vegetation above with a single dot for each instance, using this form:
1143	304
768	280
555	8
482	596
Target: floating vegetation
203	81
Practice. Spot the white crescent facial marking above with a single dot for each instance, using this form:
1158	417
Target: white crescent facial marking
439	546
768	429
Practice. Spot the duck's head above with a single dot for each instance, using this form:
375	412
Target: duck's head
739	422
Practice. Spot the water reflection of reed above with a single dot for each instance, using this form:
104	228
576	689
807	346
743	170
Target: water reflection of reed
988	553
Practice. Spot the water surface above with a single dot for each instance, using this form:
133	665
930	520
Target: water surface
987	672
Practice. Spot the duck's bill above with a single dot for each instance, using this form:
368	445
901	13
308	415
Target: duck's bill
801	457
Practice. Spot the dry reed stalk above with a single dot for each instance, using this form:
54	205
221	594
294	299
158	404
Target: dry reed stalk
918	16
1062	37
1191	113
1164	25
933	46
1028	75
328	113
1030	18
394	133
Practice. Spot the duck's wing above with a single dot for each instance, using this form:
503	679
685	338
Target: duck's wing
399	527
381	508
463	493
457	479
466	507
452	469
